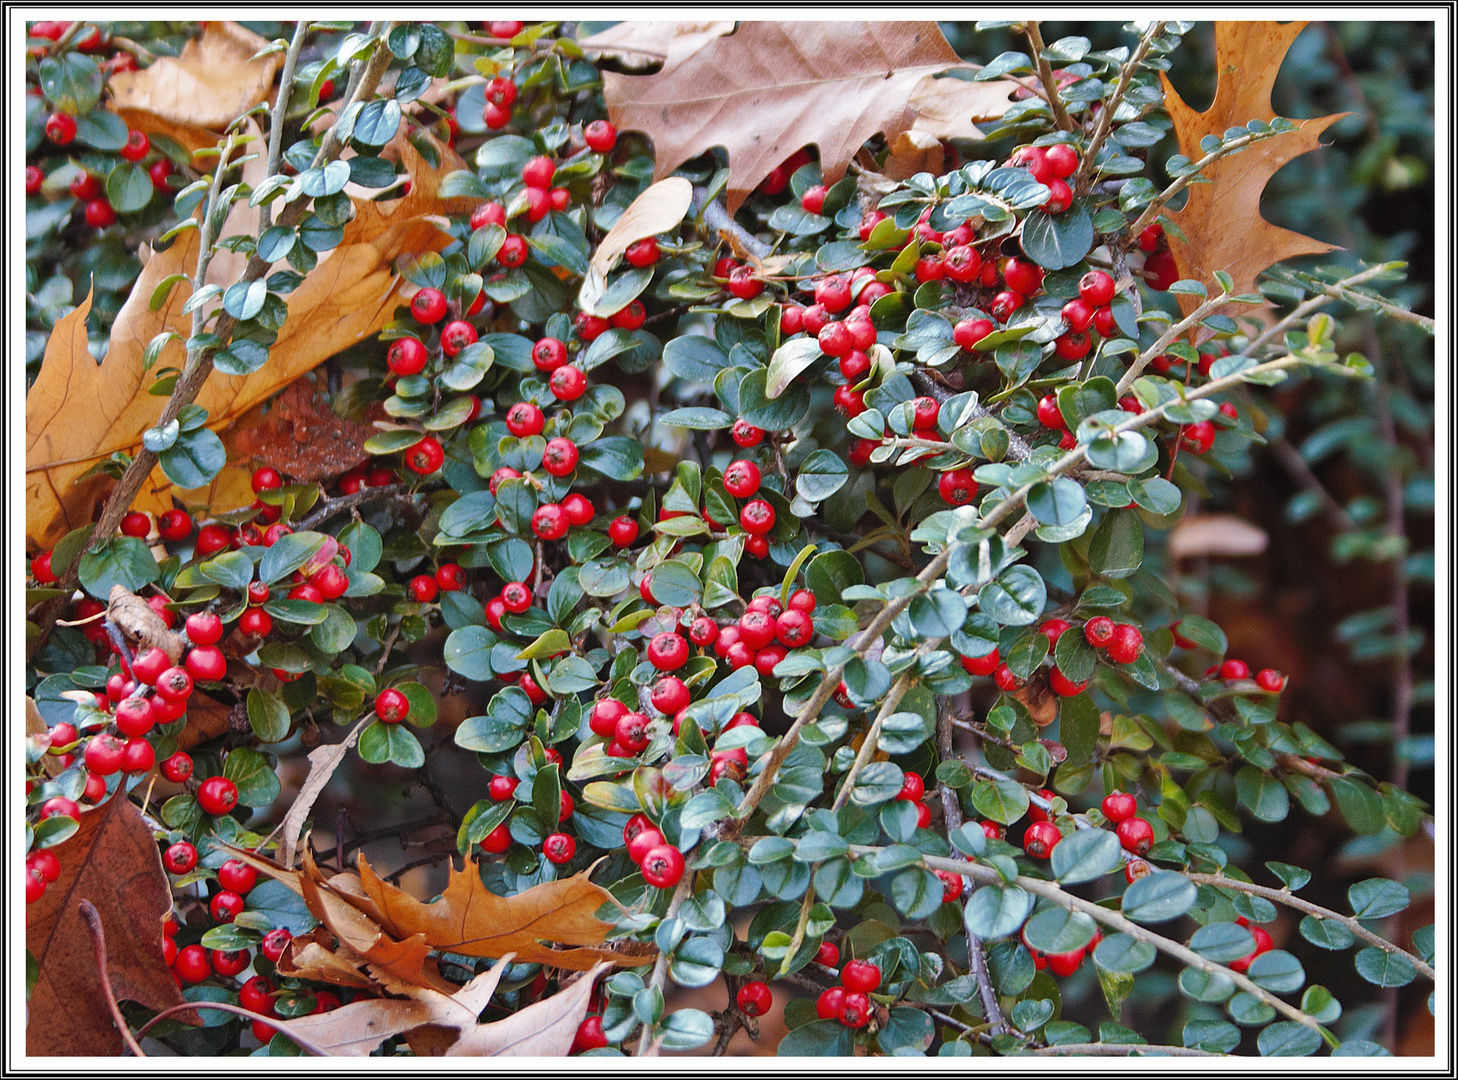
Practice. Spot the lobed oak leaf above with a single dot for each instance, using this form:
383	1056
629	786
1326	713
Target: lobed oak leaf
215	80
1221	219
545	1028
112	861
773	87
640	44
298	434
470	919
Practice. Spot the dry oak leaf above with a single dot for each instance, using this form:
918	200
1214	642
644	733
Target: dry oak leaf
644	43
300	435
79	412
773	87
1216	534
213	82
470	919
546	1028
659	208
111	860
323	760
1222	219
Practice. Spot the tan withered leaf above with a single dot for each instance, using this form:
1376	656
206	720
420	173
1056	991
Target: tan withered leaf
1216	534
300	436
659	208
644	43
951	108
112	861
543	1029
142	627
773	87
323	760
1222	219
470	919
79	412
214	81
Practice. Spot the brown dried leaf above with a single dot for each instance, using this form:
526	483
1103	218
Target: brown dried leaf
951	108
1216	534
213	82
112	861
773	87
1222	219
1039	700
323	760
142	627
79	412
300	436
470	919
544	1029
658	209
641	44
310	958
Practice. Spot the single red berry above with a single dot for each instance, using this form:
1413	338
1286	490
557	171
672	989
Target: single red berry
1096	288
1063	686
663	866
589	1033
501	91
426	456
1099	631
757	517
549	522
104	754
34	178
924	414
1040	839
175	684
175	525
158	172
513	251
957	487
1235	669
668	651
754	999
745	284
1050	415
40	569
1199	437
192	964
828	955
180	857
1270	680
455	337
1104	322
497	840
559	848
1135	835
61	128
860	976
982	665
537	172
669	695
60	806
422	588
623	531
99	214
178	767
746	434
391	705
913	787
742	479
229	964
85	187
44	864
568	383
1119	806
137	146
257	994
951	886
217	795
428	305
1126	644
830	1004
642	253
1263	944
560	456
206	662
631	317
600	136
757	547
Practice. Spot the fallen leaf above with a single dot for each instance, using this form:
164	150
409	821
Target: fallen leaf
951	108
773	87
300	436
1222	219
470	919
323	760
912	152
643	43
546	1028
310	958
658	209
211	84
111	860
79	412
1216	534
189	135
207	718
142	627
1039	700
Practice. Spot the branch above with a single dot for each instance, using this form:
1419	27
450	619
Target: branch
1175	330
280	111
1152	211
1284	896
717	218
298	1040
1106	115
647	1045
98	941
1045	75
1306	307
327	509
1120	1050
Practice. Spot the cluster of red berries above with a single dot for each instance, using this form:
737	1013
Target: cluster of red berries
1060	964
86	187
660	862
1123	643
850	1002
558	847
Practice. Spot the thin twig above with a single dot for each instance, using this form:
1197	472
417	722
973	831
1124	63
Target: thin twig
272	1021
1306	307
327	509
280	112
98	942
1045	75
1106	115
1183	181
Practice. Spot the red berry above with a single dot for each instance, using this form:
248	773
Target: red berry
746	434
256	995
428	305
957	487
600	136
1161	271
1119	806
1235	669
913	787
44	864
757	517
255	621
158	172
40	569
1263	944
1022	276
568	383
61	128
744	283
60	806
456	336
830	1004
229	964
34	178
104	754
951	886
742	479
501	91
537	172
1040	839
860	976
1126	644
1063	686
217	795
962	264
392	706
669	695
513	251
559	848
192	964
426	456
1099	631
549	522
663	866
99	214
1096	288
560	456
178	767
668	651
1135	835
1050	415
642	252
1270	680
754	999
982	665
497	840
180	857
623	532
1062	159
137	146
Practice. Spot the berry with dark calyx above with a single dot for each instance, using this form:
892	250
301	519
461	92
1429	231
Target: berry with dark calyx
136	147
1096	288
1127	644
560	456
61	128
757	628
794	629
501	90
192	964
568	383
174	524
176	768
631	317
746	434
135	717
559	848
1060	197
742	479
217	795
757	517
925	411
456	336
1035	160
860	976
668	651
1005	303
180	857
256	995
993	831
174	684
426	456
663	866
669	694
703	631
642	253
1135	835
44	864
951	886
1040	839
1199	437
1099	631
525	419
957	487
428	305
600	136
1078	314
229	964
549	522
104	754
513	251
1270	680
34	178
391	706
754	999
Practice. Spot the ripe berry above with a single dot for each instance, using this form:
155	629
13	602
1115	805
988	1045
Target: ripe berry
158	172
631	317
828	954
623	531
757	517
951	886
1135	835
537	172
456	336
1005	303
501	91
1062	159
178	767
756	547
568	383
754	999
99	214
104	754
742	479
913	787
1263	944
1063	686
525	419
85	187
428	305
256	995
513	251
957	487
744	283
40	569
61	128
669	695
180	857
229	964
830	1003
579	509
1271	681
962	264
559	848
60	806
1040	839
668	651
1119	806
560	456
497	840
192	964
206	662
1022	276
794	628
1096	288
138	756
746	434
426	456
642	253
982	665
1060	197
1199	437
1035	160
137	146
860	976
34	178
600	136
44	864
1078	314
1126	645
149	664
175	684
663	866
392	706
549	522
217	795
1235	669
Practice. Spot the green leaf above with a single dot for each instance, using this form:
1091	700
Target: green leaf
101	130
380	743
996	911
1216	1036
1161	896
1287	1038
1222	941
1057	241
257	783
697	418
1085	856
1382	968
288	554
467	652
819	1038
1123	953
1004	801
129	188
828	575
268	716
773	414
821	475
1262	794
694	358
1116	548
1015	598
1377	898
616	457
1055	929
1359	804
122	560
194	459
788	362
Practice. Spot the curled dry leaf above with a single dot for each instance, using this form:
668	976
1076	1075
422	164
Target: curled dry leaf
215	80
79	412
544	1029
142	627
111	860
1039	700
1222	218
656	210
951	108
470	919
773	87
323	760
640	44
1216	534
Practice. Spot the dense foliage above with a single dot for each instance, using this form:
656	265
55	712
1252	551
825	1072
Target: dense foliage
803	568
